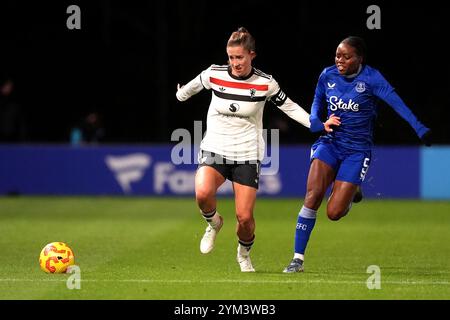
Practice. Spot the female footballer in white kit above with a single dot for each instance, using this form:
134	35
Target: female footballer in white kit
233	146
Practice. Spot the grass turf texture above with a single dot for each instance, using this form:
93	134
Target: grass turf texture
148	248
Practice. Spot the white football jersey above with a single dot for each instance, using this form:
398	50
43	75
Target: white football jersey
234	121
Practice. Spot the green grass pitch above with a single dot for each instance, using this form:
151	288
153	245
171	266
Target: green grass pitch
148	248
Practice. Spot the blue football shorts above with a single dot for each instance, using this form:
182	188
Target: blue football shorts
349	165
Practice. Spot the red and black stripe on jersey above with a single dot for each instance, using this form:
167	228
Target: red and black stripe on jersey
253	88
237	97
238	85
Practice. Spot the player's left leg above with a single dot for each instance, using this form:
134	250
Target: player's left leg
245	198
245	179
340	201
358	195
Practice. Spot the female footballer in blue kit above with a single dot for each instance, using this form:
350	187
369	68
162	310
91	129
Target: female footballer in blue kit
350	89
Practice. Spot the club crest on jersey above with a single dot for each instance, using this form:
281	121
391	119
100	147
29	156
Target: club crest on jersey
252	93
360	87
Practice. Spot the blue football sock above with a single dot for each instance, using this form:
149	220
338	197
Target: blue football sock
305	224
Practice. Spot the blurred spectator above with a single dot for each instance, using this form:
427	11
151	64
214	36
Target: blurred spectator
12	120
90	130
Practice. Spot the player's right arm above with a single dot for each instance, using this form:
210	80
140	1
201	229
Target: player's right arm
318	103
194	86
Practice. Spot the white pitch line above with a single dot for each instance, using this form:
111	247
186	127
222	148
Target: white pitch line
255	281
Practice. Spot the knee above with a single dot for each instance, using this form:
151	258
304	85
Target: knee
335	213
203	195
246	220
334	216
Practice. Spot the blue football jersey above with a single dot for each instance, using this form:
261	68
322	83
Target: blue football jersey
355	101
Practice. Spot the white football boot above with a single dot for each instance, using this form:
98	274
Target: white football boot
207	242
243	258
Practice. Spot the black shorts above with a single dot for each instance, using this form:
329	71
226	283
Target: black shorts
242	172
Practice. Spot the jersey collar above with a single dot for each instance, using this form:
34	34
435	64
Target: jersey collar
240	78
351	76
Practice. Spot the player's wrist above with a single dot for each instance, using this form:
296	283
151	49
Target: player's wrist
316	125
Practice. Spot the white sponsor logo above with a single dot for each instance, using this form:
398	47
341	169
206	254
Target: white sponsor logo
335	104
234	107
331	85
177	181
168	178
128	168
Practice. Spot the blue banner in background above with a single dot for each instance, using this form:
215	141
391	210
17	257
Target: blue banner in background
394	172
435	172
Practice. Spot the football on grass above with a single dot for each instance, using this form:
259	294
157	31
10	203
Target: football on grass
56	257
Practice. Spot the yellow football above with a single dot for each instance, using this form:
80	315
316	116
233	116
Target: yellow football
56	257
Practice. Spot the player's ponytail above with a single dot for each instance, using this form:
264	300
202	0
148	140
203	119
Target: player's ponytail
243	38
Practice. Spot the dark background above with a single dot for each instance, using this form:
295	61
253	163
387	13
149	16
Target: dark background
128	57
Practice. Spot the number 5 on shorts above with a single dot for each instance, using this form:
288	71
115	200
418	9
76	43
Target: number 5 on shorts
364	169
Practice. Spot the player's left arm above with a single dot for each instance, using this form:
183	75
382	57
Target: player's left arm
292	109
282	101
383	90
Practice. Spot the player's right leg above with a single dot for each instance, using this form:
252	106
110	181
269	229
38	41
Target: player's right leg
320	177
207	181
